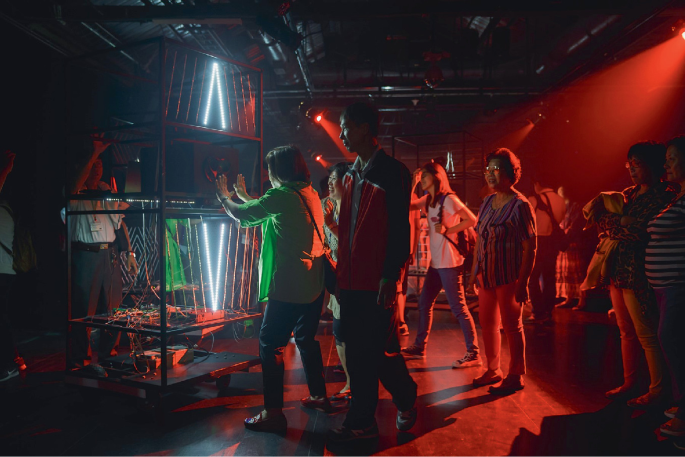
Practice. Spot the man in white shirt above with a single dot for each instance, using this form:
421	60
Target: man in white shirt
96	283
546	203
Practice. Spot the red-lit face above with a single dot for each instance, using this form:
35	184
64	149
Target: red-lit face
352	135
335	187
639	172
95	175
427	180
675	165
495	176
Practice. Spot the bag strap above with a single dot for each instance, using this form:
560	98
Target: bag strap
546	208
311	215
442	204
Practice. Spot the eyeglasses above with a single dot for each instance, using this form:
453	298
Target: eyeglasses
634	164
495	170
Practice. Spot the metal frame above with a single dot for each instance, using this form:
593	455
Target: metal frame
136	386
464	175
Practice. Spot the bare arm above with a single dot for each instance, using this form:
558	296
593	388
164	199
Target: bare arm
83	168
529	248
474	263
468	219
7	165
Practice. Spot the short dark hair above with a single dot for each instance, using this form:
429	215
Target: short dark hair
679	143
340	168
287	164
652	154
362	113
511	165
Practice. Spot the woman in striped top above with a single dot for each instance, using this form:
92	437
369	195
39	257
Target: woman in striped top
665	266
505	254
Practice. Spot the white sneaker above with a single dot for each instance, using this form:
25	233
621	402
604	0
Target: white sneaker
471	359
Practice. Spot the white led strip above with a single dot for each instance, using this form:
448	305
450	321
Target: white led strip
215	77
209	263
218	268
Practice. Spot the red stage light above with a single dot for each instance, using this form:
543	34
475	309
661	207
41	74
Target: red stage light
682	33
318	157
319	117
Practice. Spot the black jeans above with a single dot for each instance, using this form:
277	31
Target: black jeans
7	348
373	353
280	319
543	279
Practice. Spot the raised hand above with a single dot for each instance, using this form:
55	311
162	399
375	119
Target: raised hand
99	146
222	188
416	177
241	189
329	213
7	161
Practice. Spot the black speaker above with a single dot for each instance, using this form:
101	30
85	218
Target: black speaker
193	168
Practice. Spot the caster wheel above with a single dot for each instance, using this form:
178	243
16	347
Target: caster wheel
223	382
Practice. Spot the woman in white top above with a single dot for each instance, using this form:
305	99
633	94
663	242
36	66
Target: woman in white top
331	210
447	216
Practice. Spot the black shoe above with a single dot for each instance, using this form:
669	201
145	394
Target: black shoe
510	385
406	419
346	435
414	350
276	423
322	404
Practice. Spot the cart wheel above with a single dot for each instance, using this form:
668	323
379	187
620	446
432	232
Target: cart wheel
223	382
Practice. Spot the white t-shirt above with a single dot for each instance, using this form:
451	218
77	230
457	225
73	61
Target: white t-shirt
7	237
95	228
443	253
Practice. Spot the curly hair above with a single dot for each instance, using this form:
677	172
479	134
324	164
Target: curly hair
510	163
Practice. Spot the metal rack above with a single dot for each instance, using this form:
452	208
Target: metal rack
143	97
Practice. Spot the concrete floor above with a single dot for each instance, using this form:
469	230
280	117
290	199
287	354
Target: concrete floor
562	410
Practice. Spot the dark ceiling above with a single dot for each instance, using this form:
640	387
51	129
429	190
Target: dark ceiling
484	59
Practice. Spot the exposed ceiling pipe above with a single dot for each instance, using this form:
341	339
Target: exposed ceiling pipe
299	53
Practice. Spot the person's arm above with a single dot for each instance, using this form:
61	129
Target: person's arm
131	264
525	227
468	219
83	168
250	213
529	248
397	244
329	217
474	264
241	190
7	165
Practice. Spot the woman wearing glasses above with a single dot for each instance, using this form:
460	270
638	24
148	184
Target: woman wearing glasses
634	303
504	258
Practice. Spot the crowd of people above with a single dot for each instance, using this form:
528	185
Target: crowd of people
525	248
524	245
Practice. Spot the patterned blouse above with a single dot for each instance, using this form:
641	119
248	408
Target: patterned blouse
628	267
501	233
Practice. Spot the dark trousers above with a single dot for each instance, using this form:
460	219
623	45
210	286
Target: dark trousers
95	287
7	348
280	320
373	353
671	302
543	281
